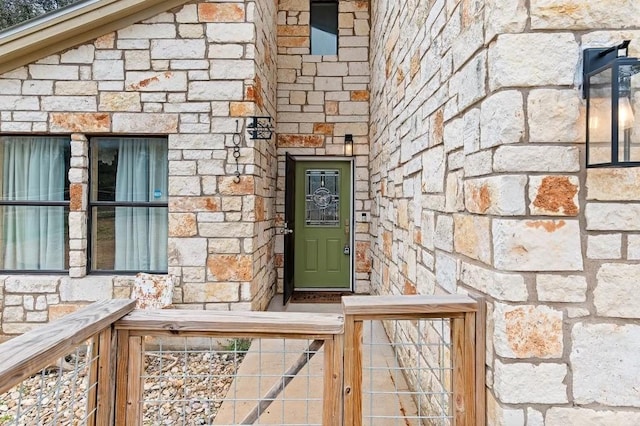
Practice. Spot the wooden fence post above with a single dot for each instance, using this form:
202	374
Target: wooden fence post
106	377
122	367
93	360
464	363
470	367
332	395
134	380
352	371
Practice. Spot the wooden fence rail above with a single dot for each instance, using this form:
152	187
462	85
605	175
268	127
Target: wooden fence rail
31	352
25	355
119	334
326	328
467	336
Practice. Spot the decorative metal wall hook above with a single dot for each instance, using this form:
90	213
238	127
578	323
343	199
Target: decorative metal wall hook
260	128
237	139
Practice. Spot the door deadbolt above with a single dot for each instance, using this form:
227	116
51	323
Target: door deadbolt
347	249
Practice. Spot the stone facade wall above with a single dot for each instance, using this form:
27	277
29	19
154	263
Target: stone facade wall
468	126
263	286
192	74
479	185
320	98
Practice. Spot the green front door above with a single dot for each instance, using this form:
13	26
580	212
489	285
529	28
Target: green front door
323	225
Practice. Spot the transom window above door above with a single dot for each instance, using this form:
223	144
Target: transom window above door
34	203
128	204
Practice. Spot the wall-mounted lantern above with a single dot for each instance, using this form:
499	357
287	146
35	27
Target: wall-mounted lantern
260	128
348	145
611	85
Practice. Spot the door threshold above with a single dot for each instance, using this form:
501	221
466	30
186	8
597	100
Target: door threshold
322	290
318	296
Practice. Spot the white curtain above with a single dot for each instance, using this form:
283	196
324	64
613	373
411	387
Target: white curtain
141	232
33	168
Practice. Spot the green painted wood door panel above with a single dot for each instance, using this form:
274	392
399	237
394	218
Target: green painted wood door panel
322	217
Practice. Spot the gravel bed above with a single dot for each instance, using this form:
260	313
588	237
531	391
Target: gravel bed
180	388
187	388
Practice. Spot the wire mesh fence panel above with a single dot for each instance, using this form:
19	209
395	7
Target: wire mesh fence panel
407	373
61	394
212	381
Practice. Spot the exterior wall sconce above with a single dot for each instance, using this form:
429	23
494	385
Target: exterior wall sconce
348	145
611	86
260	128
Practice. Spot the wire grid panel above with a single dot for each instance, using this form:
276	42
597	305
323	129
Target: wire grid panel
57	395
407	372
209	381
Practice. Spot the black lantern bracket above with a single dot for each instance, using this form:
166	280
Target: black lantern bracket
600	57
260	128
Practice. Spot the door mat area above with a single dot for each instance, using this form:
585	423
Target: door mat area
324	297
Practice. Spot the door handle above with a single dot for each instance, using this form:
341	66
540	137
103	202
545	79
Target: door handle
285	230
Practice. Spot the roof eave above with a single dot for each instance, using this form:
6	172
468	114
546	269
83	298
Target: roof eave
39	38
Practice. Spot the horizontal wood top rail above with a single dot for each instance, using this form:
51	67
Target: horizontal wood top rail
388	306
28	353
263	323
231	335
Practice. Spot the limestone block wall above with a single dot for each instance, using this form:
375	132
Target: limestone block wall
192	74
479	185
320	98
28	301
263	285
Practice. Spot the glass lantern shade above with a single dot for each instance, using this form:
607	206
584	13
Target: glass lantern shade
612	89
348	145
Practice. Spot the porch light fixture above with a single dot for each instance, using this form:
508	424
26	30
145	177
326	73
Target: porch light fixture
260	128
348	145
611	83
